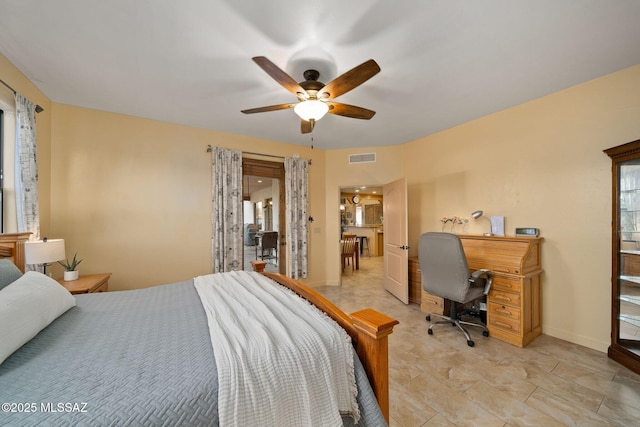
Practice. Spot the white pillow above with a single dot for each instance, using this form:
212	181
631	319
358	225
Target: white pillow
27	306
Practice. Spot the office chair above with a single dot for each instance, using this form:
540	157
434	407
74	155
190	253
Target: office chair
445	273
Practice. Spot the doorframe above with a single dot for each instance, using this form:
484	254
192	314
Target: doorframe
273	170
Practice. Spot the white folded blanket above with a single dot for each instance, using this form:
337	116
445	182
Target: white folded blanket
281	361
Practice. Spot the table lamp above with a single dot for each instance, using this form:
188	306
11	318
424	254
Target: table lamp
478	214
44	252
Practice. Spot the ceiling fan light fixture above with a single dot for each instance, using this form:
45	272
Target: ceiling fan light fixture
311	109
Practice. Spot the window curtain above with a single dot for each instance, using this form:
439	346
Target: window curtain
226	239
297	200
26	168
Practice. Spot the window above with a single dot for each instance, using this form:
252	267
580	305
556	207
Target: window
359	222
8	221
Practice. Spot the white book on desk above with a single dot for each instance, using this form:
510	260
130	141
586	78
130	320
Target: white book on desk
497	225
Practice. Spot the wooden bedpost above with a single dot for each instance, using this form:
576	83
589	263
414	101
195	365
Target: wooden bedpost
373	350
258	265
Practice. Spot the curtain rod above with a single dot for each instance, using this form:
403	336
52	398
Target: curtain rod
210	149
39	109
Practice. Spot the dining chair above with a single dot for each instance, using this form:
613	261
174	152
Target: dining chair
349	252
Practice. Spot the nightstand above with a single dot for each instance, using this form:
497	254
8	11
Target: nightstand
88	283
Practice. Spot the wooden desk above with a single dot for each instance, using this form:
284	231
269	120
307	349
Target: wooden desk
514	304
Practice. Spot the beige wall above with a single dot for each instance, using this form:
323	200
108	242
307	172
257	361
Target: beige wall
539	164
132	196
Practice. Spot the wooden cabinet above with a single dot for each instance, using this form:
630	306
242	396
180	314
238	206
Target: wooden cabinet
87	284
415	280
380	243
625	257
514	302
372	214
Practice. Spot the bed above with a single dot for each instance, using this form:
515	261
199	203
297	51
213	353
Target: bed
145	357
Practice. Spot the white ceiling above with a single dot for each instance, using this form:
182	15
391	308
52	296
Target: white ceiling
444	62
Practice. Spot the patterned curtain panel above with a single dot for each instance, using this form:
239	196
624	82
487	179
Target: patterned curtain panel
297	199
26	168
226	240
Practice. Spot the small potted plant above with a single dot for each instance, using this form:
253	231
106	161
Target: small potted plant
70	272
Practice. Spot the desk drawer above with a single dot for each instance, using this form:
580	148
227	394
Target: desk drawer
415	290
505	283
504	310
431	303
508	298
504	323
504	317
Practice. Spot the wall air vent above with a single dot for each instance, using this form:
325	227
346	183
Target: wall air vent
362	158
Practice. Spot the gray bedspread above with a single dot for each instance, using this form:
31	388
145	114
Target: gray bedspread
134	358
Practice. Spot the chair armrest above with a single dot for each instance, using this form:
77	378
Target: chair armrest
488	276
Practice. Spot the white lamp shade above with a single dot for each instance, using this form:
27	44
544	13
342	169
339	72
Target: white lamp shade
311	109
44	252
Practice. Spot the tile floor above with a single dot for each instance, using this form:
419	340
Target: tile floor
439	381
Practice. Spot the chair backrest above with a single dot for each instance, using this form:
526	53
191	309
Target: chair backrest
269	240
349	245
348	235
445	271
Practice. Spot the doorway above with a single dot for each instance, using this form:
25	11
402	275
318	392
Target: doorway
263	197
361	215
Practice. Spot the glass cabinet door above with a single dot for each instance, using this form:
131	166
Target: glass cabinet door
629	254
625	244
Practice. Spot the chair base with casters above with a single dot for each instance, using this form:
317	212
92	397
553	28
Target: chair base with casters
455	319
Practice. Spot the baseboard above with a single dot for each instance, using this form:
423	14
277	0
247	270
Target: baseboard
576	339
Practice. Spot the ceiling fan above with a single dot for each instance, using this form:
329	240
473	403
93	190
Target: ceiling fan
316	98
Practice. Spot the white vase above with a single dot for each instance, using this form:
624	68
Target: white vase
70	276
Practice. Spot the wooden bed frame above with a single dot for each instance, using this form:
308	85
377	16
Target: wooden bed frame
368	328
12	248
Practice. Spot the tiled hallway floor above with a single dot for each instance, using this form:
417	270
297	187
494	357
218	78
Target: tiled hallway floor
438	380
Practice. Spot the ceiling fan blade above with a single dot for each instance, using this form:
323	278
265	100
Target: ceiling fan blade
269	108
349	80
351	111
280	76
306	126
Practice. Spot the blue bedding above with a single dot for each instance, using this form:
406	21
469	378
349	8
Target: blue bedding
131	358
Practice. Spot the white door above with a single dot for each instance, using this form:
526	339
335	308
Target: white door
394	210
